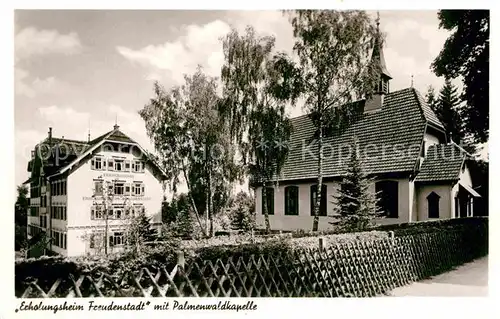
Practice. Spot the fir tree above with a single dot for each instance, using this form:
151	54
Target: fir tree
242	212
466	56
451	114
355	204
447	111
140	230
430	98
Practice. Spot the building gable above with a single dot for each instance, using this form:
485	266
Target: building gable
72	154
443	162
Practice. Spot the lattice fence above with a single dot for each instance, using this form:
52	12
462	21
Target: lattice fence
358	269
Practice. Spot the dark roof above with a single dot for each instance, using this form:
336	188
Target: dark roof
77	148
429	114
442	162
389	140
117	135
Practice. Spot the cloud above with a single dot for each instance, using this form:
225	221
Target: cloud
268	22
31	41
20	86
198	45
24	86
74	124
411	47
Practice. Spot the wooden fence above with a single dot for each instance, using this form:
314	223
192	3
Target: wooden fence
346	270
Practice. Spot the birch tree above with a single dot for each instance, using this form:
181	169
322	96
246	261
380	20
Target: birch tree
256	87
334	50
191	140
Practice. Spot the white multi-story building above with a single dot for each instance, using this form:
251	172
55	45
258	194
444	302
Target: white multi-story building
73	183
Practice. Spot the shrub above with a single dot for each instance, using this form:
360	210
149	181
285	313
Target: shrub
241	212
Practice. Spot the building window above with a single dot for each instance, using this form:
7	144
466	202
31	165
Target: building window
433	205
97	163
127	166
269	200
119	165
291	200
96	212
138	189
138	166
322	206
43	221
127	189
387	198
119	188
116	239
98	188
118	212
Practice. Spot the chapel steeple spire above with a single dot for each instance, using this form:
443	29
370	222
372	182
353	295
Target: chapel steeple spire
378	60
376	100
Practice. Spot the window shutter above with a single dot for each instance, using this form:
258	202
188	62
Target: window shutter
92	163
143	166
142	190
133	189
111	243
133	166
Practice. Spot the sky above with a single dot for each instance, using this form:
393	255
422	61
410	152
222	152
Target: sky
83	70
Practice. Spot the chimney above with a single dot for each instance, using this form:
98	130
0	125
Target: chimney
374	103
50	136
116	126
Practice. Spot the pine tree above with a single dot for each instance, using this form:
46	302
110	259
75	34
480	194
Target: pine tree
355	204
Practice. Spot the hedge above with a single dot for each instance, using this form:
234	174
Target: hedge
48	269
